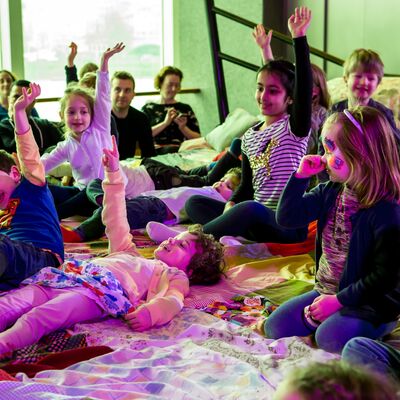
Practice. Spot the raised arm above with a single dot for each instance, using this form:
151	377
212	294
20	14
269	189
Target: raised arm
70	69
300	117
114	207
263	41
27	148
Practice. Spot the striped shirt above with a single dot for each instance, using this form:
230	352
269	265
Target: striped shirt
274	153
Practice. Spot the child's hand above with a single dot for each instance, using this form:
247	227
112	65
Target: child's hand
298	22
263	41
139	320
111	157
72	54
108	54
324	306
27	98
310	165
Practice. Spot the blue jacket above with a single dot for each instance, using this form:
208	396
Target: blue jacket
370	284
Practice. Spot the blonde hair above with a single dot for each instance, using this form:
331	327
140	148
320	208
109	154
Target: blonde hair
372	155
319	80
88	80
365	59
88	67
169	70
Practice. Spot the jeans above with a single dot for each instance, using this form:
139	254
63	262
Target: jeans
249	219
331	335
378	356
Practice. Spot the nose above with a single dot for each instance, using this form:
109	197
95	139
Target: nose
363	80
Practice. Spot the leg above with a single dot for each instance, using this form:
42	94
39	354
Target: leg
160	232
288	319
94	192
202	209
18	260
333	334
378	356
60	311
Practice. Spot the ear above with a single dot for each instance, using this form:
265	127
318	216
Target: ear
289	101
15	174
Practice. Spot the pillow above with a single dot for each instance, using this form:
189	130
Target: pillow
192	144
236	124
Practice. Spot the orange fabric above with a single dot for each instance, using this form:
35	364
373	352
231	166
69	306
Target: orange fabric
293	249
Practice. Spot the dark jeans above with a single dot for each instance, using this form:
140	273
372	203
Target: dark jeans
69	201
248	219
19	260
140	211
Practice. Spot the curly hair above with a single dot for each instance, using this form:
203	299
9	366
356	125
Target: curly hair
338	380
205	267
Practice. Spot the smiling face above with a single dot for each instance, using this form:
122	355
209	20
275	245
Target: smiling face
8	183
170	87
271	96
5	83
361	86
122	94
336	165
77	114
178	251
226	186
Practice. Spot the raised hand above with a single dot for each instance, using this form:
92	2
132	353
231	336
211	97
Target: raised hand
263	41
72	54
27	98
299	22
139	320
310	165
108	54
111	157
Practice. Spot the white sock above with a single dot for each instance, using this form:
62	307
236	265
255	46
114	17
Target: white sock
160	232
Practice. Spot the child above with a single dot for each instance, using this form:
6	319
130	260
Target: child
271	150
320	96
6	79
144	292
88	132
357	290
30	235
334	380
154	205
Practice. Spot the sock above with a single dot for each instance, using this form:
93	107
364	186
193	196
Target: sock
236	147
160	232
70	236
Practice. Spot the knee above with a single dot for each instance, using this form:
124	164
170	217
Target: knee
252	209
194	202
329	341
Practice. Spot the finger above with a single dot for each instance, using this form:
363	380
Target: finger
114	144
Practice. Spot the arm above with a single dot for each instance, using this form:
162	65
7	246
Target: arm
169	118
70	68
56	157
188	124
27	148
245	190
114	207
263	41
300	117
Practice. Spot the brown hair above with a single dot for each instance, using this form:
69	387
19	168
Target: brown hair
372	155
6	161
338	380
13	77
88	67
365	59
319	80
169	70
88	80
124	75
205	267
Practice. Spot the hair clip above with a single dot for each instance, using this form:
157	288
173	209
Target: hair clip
349	115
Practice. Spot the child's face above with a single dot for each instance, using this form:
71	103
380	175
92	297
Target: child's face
5	83
361	85
226	186
336	165
77	114
170	87
8	183
271	95
178	251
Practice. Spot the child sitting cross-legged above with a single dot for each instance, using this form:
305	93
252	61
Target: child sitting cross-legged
145	293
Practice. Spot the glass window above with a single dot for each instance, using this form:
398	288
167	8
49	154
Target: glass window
49	27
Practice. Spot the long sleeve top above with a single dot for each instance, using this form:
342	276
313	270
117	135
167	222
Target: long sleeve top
369	287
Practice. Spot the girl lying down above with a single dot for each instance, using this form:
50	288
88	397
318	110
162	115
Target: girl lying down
145	293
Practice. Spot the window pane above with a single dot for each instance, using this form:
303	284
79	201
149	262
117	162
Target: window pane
49	26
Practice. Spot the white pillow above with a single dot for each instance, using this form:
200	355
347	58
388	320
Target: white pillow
236	124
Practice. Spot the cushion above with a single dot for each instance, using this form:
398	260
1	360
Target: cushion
236	124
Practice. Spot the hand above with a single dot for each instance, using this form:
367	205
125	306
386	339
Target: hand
324	306
108	54
139	320
111	157
72	54
170	115
310	165
181	121
263	41
27	98
298	22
